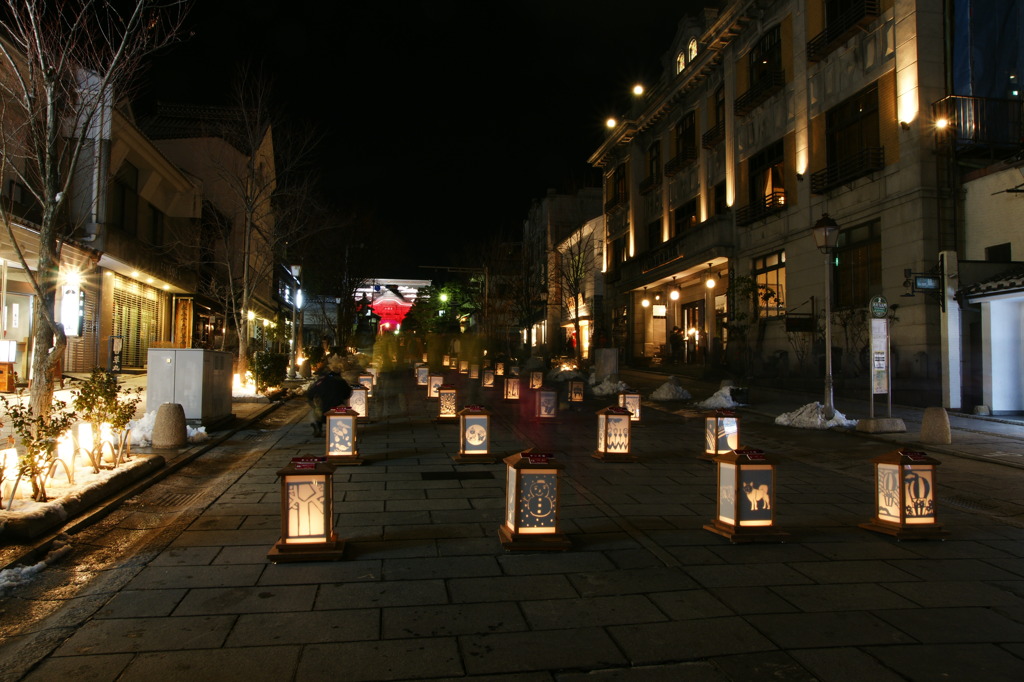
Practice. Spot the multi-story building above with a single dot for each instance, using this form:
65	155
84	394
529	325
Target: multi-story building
550	221
767	116
579	268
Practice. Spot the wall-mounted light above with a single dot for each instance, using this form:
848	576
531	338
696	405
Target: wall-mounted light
674	291
905	125
610	123
942	123
645	302
638	89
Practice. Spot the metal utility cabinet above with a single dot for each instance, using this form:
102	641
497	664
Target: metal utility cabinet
198	380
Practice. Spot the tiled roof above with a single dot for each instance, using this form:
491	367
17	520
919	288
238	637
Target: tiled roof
1009	281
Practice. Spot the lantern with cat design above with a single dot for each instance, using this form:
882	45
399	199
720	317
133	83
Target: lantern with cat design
746	498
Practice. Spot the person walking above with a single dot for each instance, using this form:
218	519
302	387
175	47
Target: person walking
327	392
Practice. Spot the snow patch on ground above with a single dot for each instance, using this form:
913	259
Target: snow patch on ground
19	575
671	390
609	387
559	374
142	431
812	416
720	399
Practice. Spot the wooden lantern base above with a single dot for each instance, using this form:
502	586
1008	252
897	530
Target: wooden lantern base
481	458
446	420
617	457
928	531
738	534
531	542
346	460
283	553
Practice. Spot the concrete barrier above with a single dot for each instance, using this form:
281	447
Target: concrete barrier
935	426
169	426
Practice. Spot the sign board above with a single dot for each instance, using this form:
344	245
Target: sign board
879	355
879	307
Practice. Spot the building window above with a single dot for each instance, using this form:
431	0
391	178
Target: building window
685	216
999	253
720	205
852	144
152	229
680	62
858	271
765	58
766	184
124	199
770	278
691	50
654	160
616	187
653	235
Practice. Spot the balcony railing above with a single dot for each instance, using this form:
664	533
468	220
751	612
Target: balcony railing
713	136
763	88
614	203
649	183
856	166
693	242
839	30
772	203
678	162
979	124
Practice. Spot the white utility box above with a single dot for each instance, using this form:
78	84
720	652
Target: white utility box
198	380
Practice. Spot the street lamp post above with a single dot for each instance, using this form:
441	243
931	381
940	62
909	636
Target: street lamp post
826	235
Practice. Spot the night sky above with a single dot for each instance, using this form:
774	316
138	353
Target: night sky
439	119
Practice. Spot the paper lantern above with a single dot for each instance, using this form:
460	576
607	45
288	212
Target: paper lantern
531	504
360	401
474	436
342	436
366	379
536	380
487	379
613	435
474	371
447	403
721	433
631	401
434	382
499	369
514	370
463	366
746	498
545	405
307	513
905	496
575	389
511	388
422	374
446	360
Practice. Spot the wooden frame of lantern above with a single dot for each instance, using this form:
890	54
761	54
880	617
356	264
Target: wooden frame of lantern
307	513
487	378
366	379
536	380
474	436
511	388
360	402
422	374
575	390
746	498
630	400
545	405
721	433
447	404
342	436
613	435
531	504
905	496
434	382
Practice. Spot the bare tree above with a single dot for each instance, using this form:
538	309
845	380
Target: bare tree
64	63
575	265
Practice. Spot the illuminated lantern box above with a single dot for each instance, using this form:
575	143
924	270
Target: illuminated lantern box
366	379
545	405
721	433
307	513
446	360
905	496
453	362
746	498
536	380
487	379
474	436
422	374
575	390
434	382
360	402
424	359
499	369
613	435
474	371
514	370
463	366
631	401
531	504
447	403
511	388
342	434
372	371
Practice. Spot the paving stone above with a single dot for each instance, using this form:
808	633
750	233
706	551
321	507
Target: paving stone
223	665
216	522
953	570
688	640
106	636
450	619
316	572
844	597
957	593
673	672
163	577
81	668
613	582
185	556
302	627
379	661
690	604
246	600
447	567
844	665
245	554
554	562
553	614
964	625
380	594
509	588
141	604
764	665
833	629
222	538
727	575
548	650
950	662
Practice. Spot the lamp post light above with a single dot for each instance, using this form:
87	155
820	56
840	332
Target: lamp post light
826	235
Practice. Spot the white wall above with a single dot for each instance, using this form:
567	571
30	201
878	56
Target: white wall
1001	337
